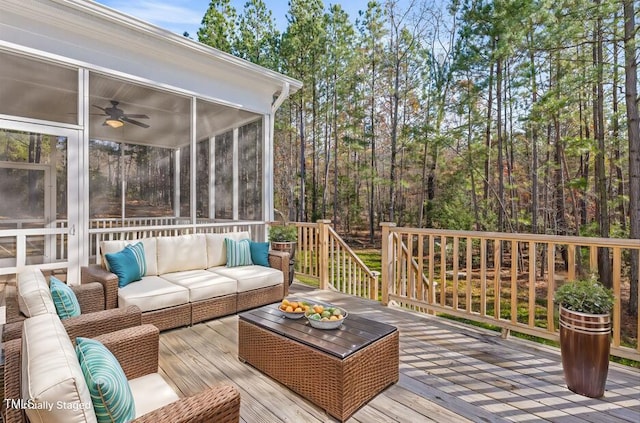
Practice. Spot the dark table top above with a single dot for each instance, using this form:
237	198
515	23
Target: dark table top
355	333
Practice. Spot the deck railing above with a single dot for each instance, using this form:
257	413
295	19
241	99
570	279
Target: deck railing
31	243
323	255
505	280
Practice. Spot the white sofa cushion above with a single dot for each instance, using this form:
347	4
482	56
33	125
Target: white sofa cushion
203	285
179	253
51	374
152	293
150	252
216	250
251	277
34	296
154	384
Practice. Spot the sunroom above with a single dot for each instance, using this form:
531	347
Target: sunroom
111	127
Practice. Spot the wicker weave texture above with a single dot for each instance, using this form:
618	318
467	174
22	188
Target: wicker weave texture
338	386
91	325
259	297
109	281
219	404
12	366
169	318
90	296
214	307
135	348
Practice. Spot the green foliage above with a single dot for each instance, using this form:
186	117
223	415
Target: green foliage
585	296
218	25
283	233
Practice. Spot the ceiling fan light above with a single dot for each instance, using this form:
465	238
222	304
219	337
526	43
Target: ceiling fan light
114	123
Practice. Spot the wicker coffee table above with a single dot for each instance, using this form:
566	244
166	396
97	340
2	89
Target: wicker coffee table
339	370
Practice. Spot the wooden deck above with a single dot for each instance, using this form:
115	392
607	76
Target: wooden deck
448	373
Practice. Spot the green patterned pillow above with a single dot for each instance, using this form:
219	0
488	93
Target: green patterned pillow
110	392
238	252
64	299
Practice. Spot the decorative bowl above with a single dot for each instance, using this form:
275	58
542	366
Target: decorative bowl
328	324
292	314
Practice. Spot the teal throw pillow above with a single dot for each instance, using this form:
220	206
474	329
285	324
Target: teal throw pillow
259	253
138	251
64	299
238	252
110	392
126	264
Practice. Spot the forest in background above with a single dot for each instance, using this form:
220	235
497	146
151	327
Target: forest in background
515	116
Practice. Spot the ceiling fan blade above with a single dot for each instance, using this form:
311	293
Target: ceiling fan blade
129	115
134	122
101	108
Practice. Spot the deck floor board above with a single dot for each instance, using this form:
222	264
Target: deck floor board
448	373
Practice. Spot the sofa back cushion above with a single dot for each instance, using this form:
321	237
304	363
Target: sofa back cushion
150	253
34	296
51	376
216	250
183	252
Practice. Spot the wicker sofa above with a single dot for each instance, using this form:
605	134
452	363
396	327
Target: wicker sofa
31	297
187	280
44	381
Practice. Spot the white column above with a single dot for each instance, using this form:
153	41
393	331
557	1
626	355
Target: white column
193	160
176	183
267	170
212	177
236	174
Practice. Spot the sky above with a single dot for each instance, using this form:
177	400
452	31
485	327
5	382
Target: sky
185	15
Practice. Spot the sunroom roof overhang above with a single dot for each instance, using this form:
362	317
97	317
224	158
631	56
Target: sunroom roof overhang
97	37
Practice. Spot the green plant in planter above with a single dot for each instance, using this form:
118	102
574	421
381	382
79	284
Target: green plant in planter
585	296
283	233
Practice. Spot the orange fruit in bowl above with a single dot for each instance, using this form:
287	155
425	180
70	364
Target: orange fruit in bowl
318	308
298	310
289	309
293	304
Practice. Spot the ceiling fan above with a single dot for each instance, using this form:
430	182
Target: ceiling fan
116	117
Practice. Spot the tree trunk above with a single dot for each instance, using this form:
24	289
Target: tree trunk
499	135
602	209
633	129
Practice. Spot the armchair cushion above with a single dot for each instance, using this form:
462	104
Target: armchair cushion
238	252
64	299
51	374
110	393
34	296
259	253
162	393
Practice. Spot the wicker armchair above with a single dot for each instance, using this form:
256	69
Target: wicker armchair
137	351
93	321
